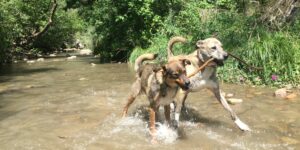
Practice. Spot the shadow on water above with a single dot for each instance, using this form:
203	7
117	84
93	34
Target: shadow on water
7	114
192	115
12	71
7	72
19	90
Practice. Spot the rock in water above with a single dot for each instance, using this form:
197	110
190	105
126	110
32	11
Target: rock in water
234	100
83	79
71	57
281	93
40	59
30	61
291	96
229	95
85	52
52	55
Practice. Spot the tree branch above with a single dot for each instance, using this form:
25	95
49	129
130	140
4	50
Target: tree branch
53	9
26	41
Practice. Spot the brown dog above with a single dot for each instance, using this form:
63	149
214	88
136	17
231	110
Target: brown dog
206	49
160	84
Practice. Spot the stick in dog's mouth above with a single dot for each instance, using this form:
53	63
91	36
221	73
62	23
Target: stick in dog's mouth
201	67
219	62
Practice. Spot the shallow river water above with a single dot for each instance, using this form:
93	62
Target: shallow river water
60	104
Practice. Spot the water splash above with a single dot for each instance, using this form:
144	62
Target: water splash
166	134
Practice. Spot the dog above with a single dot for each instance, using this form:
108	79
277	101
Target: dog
159	83
205	49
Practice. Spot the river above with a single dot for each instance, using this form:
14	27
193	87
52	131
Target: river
72	104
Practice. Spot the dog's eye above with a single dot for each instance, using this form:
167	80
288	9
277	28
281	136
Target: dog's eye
175	75
214	47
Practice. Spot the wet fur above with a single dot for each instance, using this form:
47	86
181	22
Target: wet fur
207	79
159	85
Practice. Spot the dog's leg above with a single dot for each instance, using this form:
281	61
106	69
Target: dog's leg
234	117
130	100
180	100
167	110
152	121
154	105
183	101
152	113
135	90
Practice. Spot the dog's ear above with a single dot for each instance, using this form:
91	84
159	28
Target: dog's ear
186	62
199	43
164	68
156	69
202	55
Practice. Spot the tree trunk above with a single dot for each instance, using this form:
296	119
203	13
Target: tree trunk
27	41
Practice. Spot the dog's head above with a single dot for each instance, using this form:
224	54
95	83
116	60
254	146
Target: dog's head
175	73
211	48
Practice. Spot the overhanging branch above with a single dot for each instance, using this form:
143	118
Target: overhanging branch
50	21
26	41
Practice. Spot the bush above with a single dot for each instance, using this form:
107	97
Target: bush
120	26
277	51
21	19
66	25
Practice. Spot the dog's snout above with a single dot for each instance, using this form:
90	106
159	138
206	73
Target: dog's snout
226	56
187	83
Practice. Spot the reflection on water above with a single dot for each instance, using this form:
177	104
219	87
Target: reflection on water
60	104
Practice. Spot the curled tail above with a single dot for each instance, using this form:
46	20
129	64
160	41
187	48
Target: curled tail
172	41
140	59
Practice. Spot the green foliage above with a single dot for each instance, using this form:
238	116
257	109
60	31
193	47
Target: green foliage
277	51
159	47
66	25
120	30
5	32
122	25
21	19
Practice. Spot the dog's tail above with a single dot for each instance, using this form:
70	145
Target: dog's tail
140	59
172	41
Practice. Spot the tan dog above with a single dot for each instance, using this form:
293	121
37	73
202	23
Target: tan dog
206	49
160	84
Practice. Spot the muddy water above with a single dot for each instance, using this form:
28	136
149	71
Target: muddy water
60	104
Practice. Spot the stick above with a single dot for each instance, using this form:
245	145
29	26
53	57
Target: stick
201	67
248	66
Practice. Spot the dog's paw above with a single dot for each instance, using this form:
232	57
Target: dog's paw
174	124
242	125
154	141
